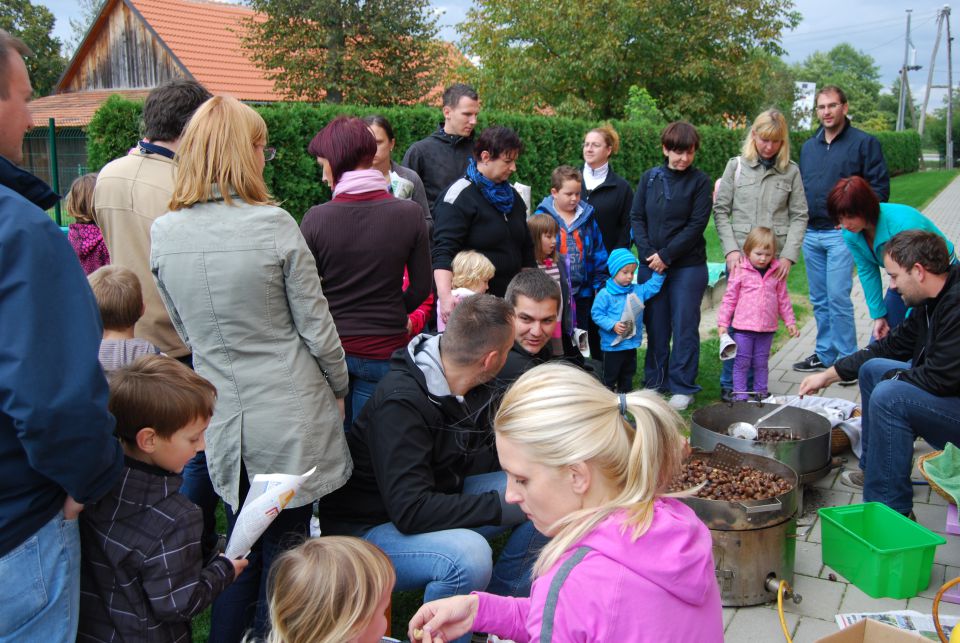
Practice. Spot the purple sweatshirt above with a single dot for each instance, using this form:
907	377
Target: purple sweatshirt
660	587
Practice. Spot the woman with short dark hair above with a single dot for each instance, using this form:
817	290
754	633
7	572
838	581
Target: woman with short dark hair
867	227
362	239
482	212
671	209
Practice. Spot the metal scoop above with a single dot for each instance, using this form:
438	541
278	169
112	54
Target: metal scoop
748	431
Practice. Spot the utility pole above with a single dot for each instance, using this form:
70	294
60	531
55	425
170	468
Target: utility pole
949	150
903	76
933	60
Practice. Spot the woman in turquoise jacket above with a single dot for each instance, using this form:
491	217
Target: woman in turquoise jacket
867	226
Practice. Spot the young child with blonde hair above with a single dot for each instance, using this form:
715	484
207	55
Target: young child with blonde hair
84	235
591	469
472	272
328	590
756	298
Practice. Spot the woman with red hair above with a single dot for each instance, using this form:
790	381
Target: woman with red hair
362	239
867	226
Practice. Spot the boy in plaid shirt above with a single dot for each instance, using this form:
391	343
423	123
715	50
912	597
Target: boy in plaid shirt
142	572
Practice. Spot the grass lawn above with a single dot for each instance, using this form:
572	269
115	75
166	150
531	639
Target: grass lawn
917	189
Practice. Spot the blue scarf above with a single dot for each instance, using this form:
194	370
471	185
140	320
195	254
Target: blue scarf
616	289
499	195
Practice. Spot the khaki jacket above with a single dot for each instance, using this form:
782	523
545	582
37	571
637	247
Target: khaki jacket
761	197
133	191
243	291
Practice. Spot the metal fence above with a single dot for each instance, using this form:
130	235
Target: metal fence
57	159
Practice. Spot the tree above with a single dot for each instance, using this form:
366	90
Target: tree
88	11
641	108
33	24
357	51
694	57
853	71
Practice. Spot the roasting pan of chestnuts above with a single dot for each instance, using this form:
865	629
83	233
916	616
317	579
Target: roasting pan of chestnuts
796	437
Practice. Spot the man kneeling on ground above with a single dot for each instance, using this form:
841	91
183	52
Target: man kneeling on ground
909	380
427	486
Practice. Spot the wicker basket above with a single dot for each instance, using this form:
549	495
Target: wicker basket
839	442
933	485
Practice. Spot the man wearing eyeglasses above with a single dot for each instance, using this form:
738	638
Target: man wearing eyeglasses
836	151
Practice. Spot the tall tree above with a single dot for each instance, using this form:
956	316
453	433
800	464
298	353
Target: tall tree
853	71
356	51
33	24
694	57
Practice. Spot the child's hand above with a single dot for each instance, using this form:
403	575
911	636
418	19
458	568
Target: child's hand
722	330
793	331
239	564
619	328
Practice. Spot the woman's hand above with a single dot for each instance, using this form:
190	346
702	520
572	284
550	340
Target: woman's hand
880	328
656	263
447	304
733	263
783	269
342	408
445	619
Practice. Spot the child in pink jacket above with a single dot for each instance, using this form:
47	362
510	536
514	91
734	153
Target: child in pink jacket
757	300
624	563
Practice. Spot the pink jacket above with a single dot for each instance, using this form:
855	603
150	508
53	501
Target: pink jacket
756	301
660	587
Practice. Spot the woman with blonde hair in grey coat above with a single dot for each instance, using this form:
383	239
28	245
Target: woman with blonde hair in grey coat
761	187
242	289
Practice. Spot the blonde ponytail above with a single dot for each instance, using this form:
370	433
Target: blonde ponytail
561	415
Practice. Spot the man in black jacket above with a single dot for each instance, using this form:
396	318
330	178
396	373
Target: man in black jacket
441	158
903	399
426	485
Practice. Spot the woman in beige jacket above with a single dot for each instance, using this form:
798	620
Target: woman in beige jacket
242	289
761	187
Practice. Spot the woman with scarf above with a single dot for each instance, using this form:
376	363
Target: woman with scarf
361	240
482	212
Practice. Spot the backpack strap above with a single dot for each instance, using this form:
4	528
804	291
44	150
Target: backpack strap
550	606
659	173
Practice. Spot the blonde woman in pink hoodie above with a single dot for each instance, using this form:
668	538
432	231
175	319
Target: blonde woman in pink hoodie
757	298
620	550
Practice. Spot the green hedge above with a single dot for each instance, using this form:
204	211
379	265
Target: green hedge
294	177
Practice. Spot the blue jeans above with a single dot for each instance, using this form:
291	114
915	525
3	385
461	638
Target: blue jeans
365	374
674	313
198	488
459	561
40	593
244	603
894	413
830	278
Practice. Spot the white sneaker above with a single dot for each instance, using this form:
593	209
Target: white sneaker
679	401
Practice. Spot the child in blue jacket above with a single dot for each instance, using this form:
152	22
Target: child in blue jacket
621	338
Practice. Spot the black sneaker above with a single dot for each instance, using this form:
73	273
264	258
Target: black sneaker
848	382
809	365
726	395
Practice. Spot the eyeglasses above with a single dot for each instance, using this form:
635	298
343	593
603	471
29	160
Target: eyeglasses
831	107
269	153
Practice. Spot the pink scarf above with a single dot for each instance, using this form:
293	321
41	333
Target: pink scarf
360	181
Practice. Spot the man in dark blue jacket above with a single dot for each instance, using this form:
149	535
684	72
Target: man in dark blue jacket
57	449
836	151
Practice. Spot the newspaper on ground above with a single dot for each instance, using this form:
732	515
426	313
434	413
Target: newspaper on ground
632	311
909	620
269	494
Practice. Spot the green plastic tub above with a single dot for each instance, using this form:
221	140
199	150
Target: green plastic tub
880	551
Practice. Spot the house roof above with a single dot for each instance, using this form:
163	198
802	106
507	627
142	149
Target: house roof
211	49
76	109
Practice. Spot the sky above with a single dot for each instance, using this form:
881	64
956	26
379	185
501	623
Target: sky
876	27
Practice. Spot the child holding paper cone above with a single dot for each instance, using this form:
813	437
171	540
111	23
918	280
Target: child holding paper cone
143	575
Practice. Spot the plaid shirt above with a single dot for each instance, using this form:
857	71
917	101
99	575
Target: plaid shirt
142	575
